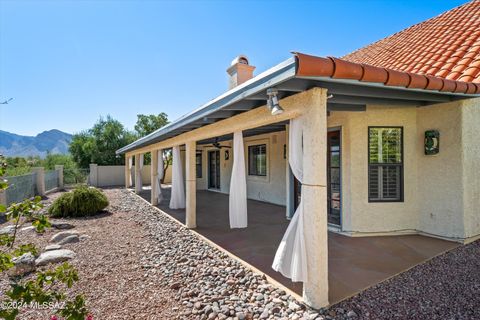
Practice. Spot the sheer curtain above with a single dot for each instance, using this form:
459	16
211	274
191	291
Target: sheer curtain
238	185
138	175
177	200
291	256
159	176
130	165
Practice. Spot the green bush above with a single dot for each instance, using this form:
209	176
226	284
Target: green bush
83	201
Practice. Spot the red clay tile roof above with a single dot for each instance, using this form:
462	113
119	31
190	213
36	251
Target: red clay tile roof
311	66
447	46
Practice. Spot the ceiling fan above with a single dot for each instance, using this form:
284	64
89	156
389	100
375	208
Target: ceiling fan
217	144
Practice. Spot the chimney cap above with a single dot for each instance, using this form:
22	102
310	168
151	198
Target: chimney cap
240	59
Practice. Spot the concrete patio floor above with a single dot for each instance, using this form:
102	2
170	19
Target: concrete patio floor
354	263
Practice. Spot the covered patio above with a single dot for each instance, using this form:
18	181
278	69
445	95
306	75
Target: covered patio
353	263
298	102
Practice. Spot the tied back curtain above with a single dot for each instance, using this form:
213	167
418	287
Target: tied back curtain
159	176
138	174
238	185
291	256
130	165
177	200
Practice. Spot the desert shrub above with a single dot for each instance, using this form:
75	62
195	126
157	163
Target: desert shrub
81	202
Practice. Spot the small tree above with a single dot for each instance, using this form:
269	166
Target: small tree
147	124
46	287
99	144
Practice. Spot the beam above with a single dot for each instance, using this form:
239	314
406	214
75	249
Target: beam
338	98
257	117
346	107
351	89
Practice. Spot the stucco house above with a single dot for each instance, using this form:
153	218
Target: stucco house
385	141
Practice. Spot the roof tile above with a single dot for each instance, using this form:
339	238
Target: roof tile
445	46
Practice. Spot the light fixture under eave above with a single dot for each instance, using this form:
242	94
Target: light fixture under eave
272	102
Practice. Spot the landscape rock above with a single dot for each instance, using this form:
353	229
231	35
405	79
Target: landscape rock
7	229
61	225
23	264
54	256
52	247
29	228
70	239
62	235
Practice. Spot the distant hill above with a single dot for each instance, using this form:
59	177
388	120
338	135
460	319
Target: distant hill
53	141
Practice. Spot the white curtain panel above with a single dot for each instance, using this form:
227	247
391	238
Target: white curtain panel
291	256
138	174
177	200
159	176
238	185
130	165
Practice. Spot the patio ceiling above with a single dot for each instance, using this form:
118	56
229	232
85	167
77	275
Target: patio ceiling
347	92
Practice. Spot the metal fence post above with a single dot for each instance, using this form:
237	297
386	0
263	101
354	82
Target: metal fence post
40	180
59	168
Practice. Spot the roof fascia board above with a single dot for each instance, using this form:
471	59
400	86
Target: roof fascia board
276	75
381	85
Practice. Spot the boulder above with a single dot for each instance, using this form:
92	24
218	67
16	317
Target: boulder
54	256
62	235
23	264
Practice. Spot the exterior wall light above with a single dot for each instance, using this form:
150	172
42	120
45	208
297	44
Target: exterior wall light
272	102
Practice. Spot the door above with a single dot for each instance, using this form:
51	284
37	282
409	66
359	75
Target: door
334	192
214	169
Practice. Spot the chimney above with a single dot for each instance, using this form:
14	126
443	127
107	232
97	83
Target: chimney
239	71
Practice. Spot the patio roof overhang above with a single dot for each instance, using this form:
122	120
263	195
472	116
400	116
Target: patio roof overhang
351	86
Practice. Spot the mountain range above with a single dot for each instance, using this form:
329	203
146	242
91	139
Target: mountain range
51	141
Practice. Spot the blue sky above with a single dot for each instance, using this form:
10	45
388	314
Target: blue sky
65	63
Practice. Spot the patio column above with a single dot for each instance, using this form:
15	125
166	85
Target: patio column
191	188
128	172
314	194
138	174
153	177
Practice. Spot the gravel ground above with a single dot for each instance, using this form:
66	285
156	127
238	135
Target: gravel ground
446	287
114	282
139	264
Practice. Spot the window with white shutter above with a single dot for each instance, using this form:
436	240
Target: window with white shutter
385	164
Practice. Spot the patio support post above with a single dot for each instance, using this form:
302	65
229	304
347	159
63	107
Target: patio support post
191	182
127	172
138	188
153	177
314	198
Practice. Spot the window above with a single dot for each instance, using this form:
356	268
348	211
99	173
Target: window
257	160
198	163
385	164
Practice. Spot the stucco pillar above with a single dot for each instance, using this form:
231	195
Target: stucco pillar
138	188
93	175
127	172
59	169
314	198
191	182
153	177
40	180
